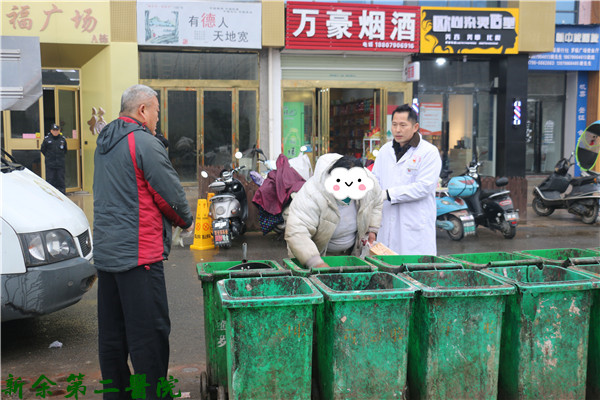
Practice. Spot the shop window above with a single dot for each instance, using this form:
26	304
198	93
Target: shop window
566	12
183	65
545	119
297	120
25	123
60	77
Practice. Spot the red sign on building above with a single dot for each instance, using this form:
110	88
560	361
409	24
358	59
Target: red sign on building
352	27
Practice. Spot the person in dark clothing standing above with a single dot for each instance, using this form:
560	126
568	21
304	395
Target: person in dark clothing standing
138	198
54	148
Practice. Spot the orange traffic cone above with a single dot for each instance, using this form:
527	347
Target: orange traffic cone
203	239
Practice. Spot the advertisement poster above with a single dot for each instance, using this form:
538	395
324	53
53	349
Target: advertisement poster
576	48
352	27
430	119
199	24
580	123
293	128
469	31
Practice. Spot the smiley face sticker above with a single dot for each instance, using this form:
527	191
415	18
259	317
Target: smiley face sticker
353	183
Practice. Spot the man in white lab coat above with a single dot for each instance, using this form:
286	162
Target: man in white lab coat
408	169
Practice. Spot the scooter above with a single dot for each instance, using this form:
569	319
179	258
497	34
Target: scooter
453	214
582	200
228	208
492	208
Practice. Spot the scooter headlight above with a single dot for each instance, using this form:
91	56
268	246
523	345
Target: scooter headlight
220	210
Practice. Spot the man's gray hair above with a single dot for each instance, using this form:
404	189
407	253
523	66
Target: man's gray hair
134	96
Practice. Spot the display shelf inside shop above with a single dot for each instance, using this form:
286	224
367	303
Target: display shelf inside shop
348	126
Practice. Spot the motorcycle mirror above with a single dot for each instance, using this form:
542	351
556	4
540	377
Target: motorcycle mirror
588	147
204	174
238	155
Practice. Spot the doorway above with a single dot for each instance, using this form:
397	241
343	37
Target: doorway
206	126
542	137
26	131
460	125
351	121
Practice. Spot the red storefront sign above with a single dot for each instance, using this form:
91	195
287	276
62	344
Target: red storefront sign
352	27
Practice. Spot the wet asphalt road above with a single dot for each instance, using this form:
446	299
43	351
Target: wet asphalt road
25	351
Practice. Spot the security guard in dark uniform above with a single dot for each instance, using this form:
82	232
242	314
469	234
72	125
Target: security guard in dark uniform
54	148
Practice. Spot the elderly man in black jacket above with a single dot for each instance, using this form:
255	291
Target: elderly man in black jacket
137	199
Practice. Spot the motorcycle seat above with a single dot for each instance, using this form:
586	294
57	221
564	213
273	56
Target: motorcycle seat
582	180
485	193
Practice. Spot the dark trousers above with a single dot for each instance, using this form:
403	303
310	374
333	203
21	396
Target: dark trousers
133	320
56	177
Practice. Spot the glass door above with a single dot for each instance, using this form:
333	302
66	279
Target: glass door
218	127
58	105
66	115
323	134
182	132
299	126
24	136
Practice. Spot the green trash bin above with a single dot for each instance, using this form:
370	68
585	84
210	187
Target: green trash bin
269	336
564	257
395	263
215	377
545	332
493	259
454	343
593	369
362	335
335	264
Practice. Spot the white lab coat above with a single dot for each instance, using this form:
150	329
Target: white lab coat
408	223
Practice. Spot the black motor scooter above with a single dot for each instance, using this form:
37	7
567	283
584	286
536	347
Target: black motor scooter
228	207
492	208
582	200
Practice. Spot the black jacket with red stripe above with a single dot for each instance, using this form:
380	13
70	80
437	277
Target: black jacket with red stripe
137	198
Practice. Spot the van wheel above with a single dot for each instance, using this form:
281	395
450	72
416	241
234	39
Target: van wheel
540	209
592	214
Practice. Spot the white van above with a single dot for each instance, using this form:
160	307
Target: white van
46	245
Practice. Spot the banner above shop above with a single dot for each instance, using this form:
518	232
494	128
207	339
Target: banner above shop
352	27
469	30
70	22
576	48
199	24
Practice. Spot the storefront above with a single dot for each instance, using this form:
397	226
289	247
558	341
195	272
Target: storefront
343	71
203	60
461	66
553	123
72	37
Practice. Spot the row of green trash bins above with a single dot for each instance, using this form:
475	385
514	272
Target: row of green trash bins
480	325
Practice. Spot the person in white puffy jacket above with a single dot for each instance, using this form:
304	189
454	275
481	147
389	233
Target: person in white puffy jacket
337	210
408	169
